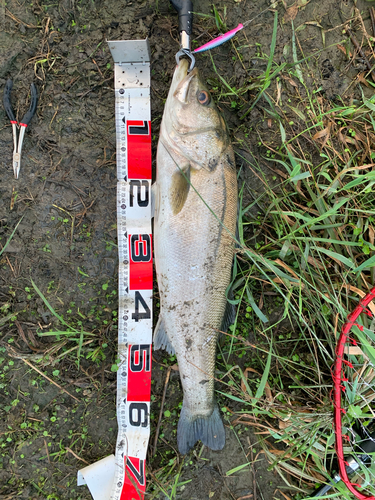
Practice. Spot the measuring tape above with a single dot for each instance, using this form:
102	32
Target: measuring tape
133	151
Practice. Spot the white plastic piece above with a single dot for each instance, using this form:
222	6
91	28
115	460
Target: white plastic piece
98	477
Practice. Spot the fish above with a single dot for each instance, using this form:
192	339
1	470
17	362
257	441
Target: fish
195	218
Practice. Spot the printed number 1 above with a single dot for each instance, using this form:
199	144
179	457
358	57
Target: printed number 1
141	315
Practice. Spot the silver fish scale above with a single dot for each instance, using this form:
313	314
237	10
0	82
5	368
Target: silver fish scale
193	255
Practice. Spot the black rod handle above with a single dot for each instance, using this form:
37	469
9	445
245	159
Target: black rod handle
367	445
322	490
184	9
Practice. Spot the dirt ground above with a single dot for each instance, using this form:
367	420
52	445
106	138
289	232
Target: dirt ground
64	203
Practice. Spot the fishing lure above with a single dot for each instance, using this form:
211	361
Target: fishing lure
219	40
227	36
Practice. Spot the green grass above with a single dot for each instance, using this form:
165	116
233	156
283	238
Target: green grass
2	250
315	250
306	249
71	333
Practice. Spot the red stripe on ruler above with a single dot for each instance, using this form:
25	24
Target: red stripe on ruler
138	134
135	479
139	372
140	268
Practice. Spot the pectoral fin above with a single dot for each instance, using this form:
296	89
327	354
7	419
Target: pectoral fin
179	189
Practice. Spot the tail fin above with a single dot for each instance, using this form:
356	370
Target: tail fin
210	430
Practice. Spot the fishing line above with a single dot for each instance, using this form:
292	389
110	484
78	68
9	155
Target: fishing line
254	257
199	195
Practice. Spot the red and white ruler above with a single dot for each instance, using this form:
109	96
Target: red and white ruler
123	477
133	146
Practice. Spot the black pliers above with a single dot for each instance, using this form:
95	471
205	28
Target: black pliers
21	125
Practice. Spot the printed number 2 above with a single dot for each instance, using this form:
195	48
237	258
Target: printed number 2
141	315
137	186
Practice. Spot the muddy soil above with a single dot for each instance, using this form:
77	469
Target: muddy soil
64	203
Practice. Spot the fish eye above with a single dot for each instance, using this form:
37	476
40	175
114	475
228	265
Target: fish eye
204	97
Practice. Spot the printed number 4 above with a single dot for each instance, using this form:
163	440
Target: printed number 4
141	315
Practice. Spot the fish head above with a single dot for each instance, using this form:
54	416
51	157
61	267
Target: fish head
192	124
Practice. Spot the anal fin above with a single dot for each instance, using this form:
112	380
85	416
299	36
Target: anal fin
161	339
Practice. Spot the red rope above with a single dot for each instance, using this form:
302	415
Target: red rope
338	378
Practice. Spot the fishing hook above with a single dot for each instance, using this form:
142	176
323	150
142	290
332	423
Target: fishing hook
187	53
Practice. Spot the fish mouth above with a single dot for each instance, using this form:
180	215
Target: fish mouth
183	80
